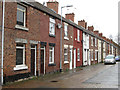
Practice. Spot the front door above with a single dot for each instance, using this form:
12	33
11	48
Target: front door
71	58
74	58
42	61
33	60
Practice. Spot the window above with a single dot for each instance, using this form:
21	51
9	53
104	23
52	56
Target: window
52	27
91	41
20	54
21	15
65	55
78	54
65	30
95	55
92	55
78	35
51	54
95	42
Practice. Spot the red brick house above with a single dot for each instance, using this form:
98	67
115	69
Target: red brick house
77	43
30	49
78	47
67	48
93	46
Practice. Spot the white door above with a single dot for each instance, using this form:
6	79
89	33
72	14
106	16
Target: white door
74	58
71	58
85	58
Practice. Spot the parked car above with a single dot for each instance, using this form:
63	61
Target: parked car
117	58
110	59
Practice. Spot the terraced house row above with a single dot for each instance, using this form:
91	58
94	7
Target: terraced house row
32	42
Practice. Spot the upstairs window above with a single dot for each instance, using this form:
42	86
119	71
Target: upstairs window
52	26
95	42
66	30
21	15
78	35
91	41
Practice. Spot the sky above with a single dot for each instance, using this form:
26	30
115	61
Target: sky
102	14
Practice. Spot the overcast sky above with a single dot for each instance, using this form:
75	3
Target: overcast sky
102	14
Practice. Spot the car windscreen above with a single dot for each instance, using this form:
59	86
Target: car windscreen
109	57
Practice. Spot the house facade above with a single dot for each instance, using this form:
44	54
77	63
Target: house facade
28	55
86	58
93	46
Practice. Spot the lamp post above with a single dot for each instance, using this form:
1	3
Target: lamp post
61	37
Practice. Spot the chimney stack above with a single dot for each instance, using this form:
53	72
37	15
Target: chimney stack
83	23
70	16
53	4
100	34
96	32
91	28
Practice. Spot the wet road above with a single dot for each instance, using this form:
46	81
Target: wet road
94	76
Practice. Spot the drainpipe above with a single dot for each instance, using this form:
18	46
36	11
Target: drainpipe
82	51
2	41
39	58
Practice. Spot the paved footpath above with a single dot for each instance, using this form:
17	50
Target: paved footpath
94	76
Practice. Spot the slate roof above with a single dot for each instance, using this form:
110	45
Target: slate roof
50	12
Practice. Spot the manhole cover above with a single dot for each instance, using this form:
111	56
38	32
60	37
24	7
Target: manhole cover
53	81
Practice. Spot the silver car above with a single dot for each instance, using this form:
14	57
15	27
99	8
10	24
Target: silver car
110	59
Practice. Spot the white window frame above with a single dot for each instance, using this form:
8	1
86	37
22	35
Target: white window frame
22	66
52	26
66	47
51	62
92	55
66	31
24	11
95	41
95	55
78	35
78	54
91	41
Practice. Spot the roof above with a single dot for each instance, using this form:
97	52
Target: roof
50	12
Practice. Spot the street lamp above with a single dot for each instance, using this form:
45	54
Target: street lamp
61	37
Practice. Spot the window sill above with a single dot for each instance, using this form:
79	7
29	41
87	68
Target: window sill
66	38
51	35
66	62
21	28
20	67
52	64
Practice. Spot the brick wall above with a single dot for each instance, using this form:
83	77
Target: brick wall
38	25
69	43
78	44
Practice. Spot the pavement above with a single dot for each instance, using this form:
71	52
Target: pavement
94	76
